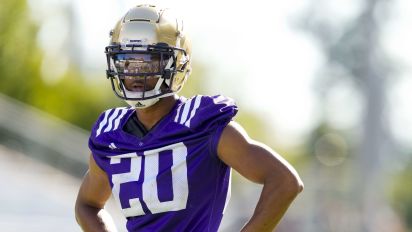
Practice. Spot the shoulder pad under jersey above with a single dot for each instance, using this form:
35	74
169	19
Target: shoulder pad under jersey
206	112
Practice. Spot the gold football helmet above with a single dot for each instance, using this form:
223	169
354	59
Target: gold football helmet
146	43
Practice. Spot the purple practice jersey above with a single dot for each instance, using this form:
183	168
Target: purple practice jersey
171	179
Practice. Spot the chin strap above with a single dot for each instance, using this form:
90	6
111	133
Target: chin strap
143	103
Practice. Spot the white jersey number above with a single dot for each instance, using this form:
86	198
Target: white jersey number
150	195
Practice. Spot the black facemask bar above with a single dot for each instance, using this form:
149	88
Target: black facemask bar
163	51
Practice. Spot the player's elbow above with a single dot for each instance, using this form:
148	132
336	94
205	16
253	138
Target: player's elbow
77	212
296	185
81	211
292	185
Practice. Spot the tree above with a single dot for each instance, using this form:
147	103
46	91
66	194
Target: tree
353	50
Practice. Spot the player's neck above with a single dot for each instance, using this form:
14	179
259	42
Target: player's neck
151	115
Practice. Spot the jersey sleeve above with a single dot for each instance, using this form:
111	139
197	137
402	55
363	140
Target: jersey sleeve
94	144
99	142
217	114
213	112
207	114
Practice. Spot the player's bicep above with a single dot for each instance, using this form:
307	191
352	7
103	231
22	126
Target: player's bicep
251	159
95	189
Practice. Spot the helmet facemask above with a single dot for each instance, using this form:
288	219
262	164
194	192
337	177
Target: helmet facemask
141	64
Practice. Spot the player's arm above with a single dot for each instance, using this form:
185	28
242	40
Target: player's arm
260	164
93	194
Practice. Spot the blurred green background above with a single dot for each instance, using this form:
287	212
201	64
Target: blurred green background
325	83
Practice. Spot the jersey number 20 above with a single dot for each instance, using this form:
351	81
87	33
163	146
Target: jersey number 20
150	186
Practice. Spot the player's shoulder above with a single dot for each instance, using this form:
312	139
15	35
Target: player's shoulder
111	119
200	110
218	103
206	101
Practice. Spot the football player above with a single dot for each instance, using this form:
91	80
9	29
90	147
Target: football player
166	159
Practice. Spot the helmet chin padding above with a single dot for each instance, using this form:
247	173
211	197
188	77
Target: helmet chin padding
143	103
